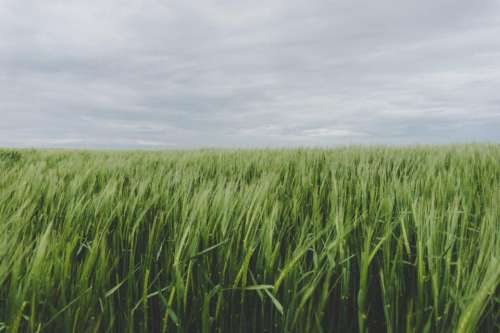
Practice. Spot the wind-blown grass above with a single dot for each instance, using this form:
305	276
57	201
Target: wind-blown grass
352	239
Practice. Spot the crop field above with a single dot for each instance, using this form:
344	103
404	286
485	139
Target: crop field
299	240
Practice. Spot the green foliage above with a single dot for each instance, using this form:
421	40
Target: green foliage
310	240
9	156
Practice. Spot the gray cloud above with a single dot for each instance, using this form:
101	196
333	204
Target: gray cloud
248	73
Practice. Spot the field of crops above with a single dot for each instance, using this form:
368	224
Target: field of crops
341	240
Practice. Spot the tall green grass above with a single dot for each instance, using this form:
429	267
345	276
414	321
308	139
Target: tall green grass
342	240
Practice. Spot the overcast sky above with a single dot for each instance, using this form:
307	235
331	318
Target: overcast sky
176	74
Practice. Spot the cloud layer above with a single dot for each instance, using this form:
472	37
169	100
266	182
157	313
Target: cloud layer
176	74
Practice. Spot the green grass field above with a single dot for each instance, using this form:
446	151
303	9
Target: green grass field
342	240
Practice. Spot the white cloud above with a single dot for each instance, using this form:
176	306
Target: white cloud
332	132
248	73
